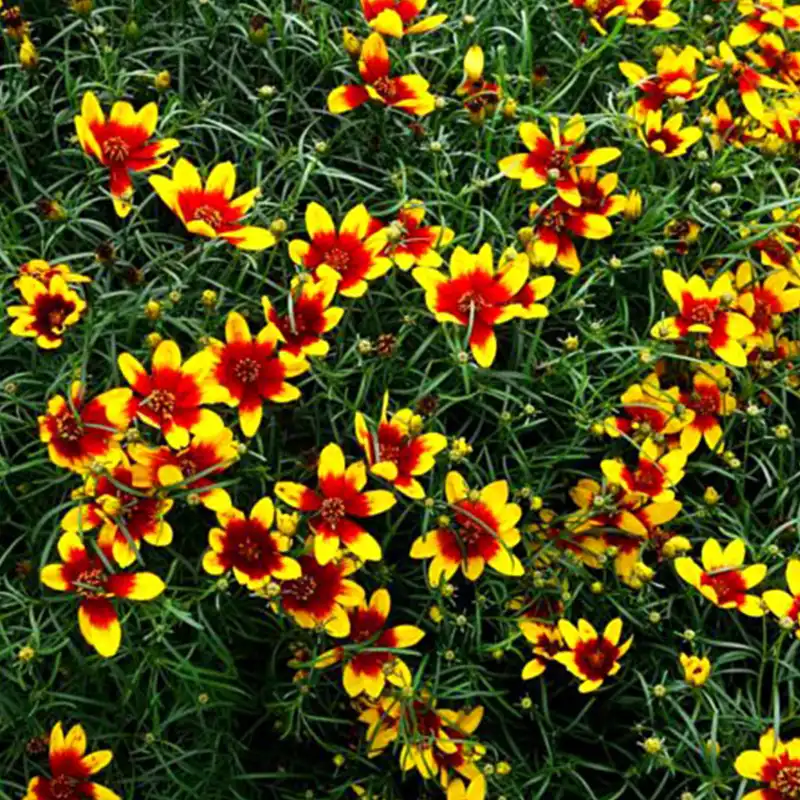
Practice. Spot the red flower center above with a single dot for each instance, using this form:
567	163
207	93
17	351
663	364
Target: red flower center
303	588
68	427
386	88
247	370
787	783
187	465
390	452
762	315
249	549
56	318
703	312
115	149
728	585
596	658
471	531
558	159
63	787
210	215
648	478
471	300
332	511
337	258
89	583
161	402
704	403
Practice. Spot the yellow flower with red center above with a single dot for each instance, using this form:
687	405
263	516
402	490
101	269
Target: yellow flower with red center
775	763
774	58
547	642
397	17
669	139
14	24
320	597
308	318
760	17
551	160
723	578
408	93
171	397
340	496
193	468
705	310
748	80
708	402
727	129
352	256
79	434
783	604
480	530
655	476
248	371
369	662
210	209
87	576
43	271
764	303
695	669
71	769
249	547
654	13
127	514
648	409
628	522
781	247
398	451
50	308
782	122
591	656
675	76
410	243
475	296
481	97
601	11
557	536
122	143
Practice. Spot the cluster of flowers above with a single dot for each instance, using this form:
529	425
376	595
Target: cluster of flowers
18	29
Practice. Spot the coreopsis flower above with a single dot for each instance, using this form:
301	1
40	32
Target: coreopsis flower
247	545
408	93
557	537
122	143
28	54
553	159
397	17
647	409
591	656
548	240
775	59
782	124
411	243
669	139
475	296
764	303
705	310
626	522
458	750
210	209
654	13
369	663
250	370
43	271
398	451
684	232
480	530
481	97
309	317
727	129
760	17
695	669
474	790
547	641
655	476
339	497
171	397
775	763
127	515
633	206
14	24
783	604
708	401
723	578
192	468
50	308
748	80
320	597
600	12
87	575
352	256
71	769
781	248
80	433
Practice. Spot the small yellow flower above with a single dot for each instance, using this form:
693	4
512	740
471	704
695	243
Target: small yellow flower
152	310
653	745
711	496
695	669
633	206
26	654
162	81
209	299
28	54
351	43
